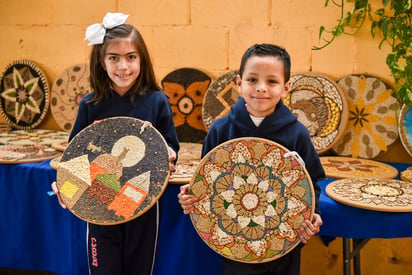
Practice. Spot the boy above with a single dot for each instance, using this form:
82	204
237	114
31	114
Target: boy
259	112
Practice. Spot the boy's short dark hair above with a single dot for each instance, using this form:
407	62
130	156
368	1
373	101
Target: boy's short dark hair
265	50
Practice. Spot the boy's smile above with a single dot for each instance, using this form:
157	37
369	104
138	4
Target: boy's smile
262	84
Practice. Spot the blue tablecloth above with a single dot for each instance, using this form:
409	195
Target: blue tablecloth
36	234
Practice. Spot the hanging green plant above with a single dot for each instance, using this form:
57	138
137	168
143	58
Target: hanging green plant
393	21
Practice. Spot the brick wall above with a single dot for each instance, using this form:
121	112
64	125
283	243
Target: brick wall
207	34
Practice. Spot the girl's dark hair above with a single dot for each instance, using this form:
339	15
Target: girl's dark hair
267	50
100	82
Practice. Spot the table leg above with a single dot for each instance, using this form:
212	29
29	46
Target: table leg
348	255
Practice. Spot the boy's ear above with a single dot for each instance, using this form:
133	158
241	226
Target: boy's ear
287	89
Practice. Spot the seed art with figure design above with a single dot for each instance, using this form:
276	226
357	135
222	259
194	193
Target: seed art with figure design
24	95
387	195
113	171
253	197
320	104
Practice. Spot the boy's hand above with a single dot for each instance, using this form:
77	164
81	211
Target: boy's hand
187	202
56	192
172	158
310	228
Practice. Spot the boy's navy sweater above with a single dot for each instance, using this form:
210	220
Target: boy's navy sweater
281	126
152	107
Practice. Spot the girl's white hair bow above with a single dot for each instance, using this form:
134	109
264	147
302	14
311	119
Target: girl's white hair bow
95	33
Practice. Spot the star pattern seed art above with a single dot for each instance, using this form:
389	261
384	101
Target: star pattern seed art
347	167
24	95
387	195
253	197
113	171
320	104
35	145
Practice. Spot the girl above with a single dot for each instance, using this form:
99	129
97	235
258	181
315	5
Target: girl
123	84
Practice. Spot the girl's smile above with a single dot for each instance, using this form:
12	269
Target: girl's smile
122	63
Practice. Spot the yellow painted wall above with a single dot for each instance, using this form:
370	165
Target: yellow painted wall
210	35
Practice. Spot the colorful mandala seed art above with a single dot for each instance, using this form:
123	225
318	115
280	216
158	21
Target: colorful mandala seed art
252	200
374	194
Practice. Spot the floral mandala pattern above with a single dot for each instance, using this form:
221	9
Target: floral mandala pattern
186	88
372	125
252	200
372	193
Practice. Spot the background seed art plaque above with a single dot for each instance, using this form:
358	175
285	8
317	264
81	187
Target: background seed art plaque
113	171
253	197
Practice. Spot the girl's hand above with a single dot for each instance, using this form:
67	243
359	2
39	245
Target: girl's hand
56	192
172	158
310	228
187	202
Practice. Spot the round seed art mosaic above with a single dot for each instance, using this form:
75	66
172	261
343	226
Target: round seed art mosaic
253	197
220	95
67	90
347	167
319	104
372	125
33	145
387	195
113	171
24	94
186	88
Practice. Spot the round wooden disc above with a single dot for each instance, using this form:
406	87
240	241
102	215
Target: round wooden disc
4	128
24	94
387	195
67	91
186	88
183	171
113	171
60	145
189	159
320	104
406	175
372	124
21	146
405	128
221	94
54	163
347	167
252	200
